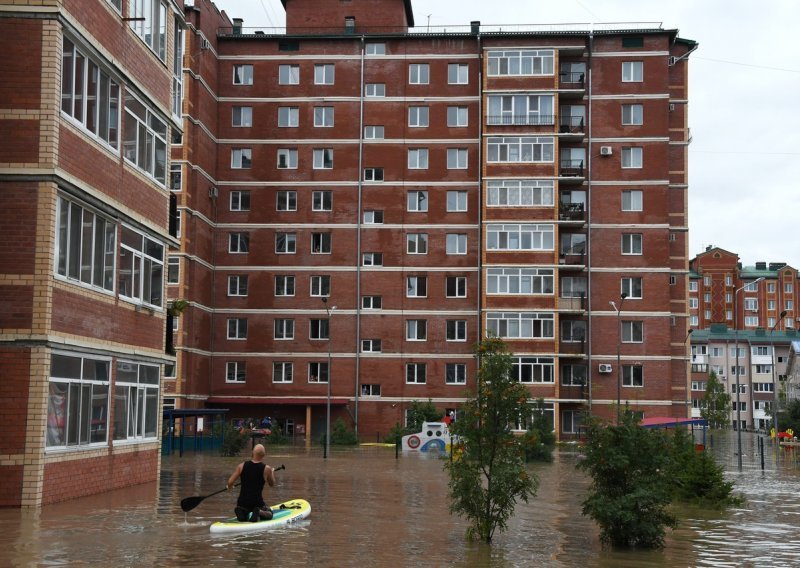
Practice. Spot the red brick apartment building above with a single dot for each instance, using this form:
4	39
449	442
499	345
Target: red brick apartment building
433	186
88	101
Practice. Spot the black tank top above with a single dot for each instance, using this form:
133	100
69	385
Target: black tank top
252	485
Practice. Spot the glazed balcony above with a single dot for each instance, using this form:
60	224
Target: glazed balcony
520	120
571	170
572	84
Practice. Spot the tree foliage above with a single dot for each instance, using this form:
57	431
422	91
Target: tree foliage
489	476
789	416
418	412
716	403
539	440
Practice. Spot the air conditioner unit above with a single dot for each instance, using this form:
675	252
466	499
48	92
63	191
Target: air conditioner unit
205	44
606	150
604	368
672	60
671	107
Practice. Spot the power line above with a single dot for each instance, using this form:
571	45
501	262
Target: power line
748	65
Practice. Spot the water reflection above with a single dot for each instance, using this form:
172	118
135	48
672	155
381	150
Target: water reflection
372	510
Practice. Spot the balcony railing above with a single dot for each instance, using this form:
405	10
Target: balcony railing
571	124
521	119
571	168
572	78
573	257
572	211
572	303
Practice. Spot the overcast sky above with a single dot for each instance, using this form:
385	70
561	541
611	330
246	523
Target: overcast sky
744	103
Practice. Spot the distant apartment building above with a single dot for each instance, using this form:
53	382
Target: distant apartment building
90	97
361	201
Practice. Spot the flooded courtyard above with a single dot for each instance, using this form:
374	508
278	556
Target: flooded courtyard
370	509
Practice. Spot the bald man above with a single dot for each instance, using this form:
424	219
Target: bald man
250	505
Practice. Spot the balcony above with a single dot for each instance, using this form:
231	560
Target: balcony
572	212
571	124
572	304
520	120
572	84
571	170
575	260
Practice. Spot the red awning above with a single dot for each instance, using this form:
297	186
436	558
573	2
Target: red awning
313	400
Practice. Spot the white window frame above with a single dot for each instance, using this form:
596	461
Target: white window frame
323	116
321	242
285	200
416	286
520	62
456	287
285	243
371	302
236	372
417	201
633	376
320	286
323	158
632	114
520	149
147	260
241	158
375	90
241	116
418	116
284	285
632	244
632	331
456	243
418	74
635	199
521	325
520	193
455	374
322	200
632	158
288	117
239	200
456	330
288	74
373	132
417	158
522	281
283	329
457	201
632	71
457	74
457	116
416	373
237	329
416	243
287	159
324	74
238	285
511	237
282	372
375	48
416	330
242	74
238	243
457	159
633	287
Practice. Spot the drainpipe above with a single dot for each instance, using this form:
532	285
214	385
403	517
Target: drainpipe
589	215
358	236
476	29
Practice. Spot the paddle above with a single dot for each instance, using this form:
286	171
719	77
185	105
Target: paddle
191	502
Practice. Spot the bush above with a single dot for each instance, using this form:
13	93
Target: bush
234	441
395	434
418	412
341	435
277	437
540	440
696	477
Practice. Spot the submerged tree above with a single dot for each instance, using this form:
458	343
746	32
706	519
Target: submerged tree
716	403
539	440
695	476
488	475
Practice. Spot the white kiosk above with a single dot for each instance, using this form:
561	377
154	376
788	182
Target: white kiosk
434	437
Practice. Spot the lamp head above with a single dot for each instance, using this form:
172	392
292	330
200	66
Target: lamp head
623	295
613	305
783	314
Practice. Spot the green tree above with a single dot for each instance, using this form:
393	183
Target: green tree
489	476
695	476
539	440
716	403
418	412
630	489
789	417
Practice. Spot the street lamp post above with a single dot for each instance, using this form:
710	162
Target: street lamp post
775	397
327	447
688	373
738	387
619	348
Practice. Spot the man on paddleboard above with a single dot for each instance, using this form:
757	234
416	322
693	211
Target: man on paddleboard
253	474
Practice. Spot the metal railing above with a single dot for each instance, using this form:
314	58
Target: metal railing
571	168
577	77
569	124
521	119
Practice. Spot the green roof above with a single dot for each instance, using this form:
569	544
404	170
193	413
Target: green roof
721	332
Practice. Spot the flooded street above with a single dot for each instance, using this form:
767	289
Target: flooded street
369	509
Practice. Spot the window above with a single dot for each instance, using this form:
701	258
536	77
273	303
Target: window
631	243
706	281
372	217
788	305
632	200
456	158
285	243
284	285
242	116
241	158
763	387
521	62
237	285
323	158
89	95
787	287
694	321
323	74
317	372
522	110
372	259
457	74
770	304
632	376
323	117
456	330
763	369
320	243
240	201
145	139
533	369
175	177
370	345
573	287
455	374
632	287
418	74
174	270
286	201
417	243
77	401
322	201
288	117
520	193
417	201
373	174
376	49
416	286
242	74
632	331
150	23
416	330
375	90
288	74
525	281
573	331
520	149
751	304
573	375
371	302
238	243
418	116
456	201
287	158
632	115
520	325
456	286
370	390
631	157
284	328
282	372
318	329
237	328
415	373
141	268
571	421
456	243
632	71
693	303
136	412
699	386
86	246
373	132
320	286
417	158
520	237
750	321
457	116
693	286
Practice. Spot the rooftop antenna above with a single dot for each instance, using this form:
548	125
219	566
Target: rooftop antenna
429	22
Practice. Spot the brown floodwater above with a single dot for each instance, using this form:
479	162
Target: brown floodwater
369	509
